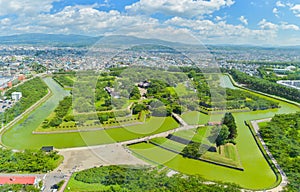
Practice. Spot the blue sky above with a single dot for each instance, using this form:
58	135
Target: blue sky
269	22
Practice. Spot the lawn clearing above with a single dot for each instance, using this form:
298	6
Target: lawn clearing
74	185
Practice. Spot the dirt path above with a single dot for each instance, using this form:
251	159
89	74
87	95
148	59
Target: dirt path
284	181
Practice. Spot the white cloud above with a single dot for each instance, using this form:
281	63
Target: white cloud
276	12
184	8
88	20
81	20
264	24
5	21
286	26
280	4
243	20
25	7
296	10
222	31
218	18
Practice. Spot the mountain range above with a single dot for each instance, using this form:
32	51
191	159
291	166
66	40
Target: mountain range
77	40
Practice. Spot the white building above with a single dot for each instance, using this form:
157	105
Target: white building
16	96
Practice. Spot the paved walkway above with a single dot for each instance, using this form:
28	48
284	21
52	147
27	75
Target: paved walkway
284	181
179	119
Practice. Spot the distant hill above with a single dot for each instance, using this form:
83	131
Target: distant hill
48	39
77	40
131	40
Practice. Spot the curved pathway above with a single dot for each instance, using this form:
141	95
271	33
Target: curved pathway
284	180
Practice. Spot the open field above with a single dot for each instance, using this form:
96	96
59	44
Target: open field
197	135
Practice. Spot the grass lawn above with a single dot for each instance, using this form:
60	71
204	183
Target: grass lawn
216	157
262	124
75	185
197	118
169	144
199	135
229	151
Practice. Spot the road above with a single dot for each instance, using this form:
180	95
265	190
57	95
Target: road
284	180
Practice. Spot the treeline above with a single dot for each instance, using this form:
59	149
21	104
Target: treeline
64	80
28	161
32	91
282	63
282	136
266	86
60	113
125	179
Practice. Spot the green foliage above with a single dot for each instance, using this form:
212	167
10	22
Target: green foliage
221	135
135	93
60	184
32	91
138	108
38	68
60	113
63	107
282	136
19	188
133	179
238	99
192	150
27	161
229	121
65	80
266	86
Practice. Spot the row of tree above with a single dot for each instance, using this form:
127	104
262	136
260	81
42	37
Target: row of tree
60	113
125	179
266	86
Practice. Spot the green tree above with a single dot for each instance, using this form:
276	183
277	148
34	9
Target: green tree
221	134
138	108
135	93
229	121
192	150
